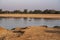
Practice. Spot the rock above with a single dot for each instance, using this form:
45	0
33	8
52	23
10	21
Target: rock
56	26
44	26
24	28
17	29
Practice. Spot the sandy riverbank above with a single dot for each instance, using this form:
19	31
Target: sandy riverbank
31	15
30	33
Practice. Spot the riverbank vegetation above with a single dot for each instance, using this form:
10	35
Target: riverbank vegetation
47	11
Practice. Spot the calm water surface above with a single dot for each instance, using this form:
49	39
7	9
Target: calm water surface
21	22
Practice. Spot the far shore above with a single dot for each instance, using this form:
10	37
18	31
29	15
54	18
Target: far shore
30	16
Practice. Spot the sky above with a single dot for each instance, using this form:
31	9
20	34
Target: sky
29	4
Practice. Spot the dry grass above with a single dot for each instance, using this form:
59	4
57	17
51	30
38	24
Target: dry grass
39	33
35	33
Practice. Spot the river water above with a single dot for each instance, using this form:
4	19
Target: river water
24	22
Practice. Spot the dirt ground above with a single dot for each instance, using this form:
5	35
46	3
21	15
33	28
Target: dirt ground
30	33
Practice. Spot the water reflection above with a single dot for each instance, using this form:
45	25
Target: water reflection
24	22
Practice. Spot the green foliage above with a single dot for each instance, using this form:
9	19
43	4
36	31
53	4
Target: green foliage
45	11
17	11
37	11
25	11
0	10
30	12
52	11
57	12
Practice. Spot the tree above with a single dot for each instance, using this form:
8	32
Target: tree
45	11
0	10
57	12
30	11
51	11
17	11
25	11
37	11
6	11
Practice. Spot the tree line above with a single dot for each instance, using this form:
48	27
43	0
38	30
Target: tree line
30	12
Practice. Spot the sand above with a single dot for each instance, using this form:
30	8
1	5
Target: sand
31	33
31	15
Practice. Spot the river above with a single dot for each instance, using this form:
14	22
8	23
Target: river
24	22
